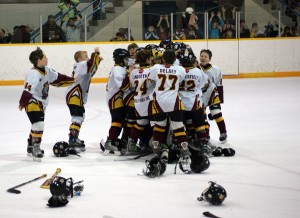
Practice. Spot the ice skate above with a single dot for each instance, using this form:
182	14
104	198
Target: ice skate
29	148
132	147
37	153
114	146
223	138
184	160
77	144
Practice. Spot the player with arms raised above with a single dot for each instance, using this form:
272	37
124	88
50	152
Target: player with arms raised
35	98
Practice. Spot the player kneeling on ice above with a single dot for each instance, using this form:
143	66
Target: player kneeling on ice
35	98
76	95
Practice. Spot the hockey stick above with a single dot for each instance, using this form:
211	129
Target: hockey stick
208	214
134	158
46	184
15	191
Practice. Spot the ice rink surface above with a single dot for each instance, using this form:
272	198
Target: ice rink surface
262	180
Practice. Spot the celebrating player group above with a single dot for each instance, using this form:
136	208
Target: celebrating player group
157	97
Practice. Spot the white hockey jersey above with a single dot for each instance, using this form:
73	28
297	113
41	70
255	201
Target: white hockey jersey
77	93
214	74
143	89
167	79
116	84
190	88
37	83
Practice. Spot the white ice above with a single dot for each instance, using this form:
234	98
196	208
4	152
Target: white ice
261	180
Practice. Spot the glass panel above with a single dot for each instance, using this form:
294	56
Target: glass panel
188	25
114	18
261	23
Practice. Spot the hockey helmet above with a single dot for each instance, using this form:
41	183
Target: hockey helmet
179	45
199	163
166	44
155	167
151	46
57	201
187	57
61	186
61	149
120	53
156	55
214	194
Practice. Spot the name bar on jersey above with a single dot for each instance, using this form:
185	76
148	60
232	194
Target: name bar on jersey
167	70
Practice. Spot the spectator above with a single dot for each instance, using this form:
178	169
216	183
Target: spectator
67	7
164	27
228	30
244	30
5	38
269	31
186	16
13	37
179	34
72	29
255	33
228	12
52	32
192	35
151	33
22	34
193	22
125	33
215	25
286	32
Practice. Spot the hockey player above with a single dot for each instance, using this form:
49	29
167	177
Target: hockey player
118	82
76	95
166	102
143	90
215	76
35	98
191	96
132	49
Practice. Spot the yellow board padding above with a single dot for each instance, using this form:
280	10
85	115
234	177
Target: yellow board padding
239	76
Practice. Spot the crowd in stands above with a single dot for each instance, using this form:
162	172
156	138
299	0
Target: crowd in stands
221	24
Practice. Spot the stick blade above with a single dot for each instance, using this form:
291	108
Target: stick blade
46	184
14	191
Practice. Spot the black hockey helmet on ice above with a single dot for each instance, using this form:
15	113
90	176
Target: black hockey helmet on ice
61	149
199	162
61	186
57	201
155	167
187	56
166	44
214	194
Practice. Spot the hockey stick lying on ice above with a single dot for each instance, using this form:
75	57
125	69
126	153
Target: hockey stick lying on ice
15	191
208	214
134	158
46	184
